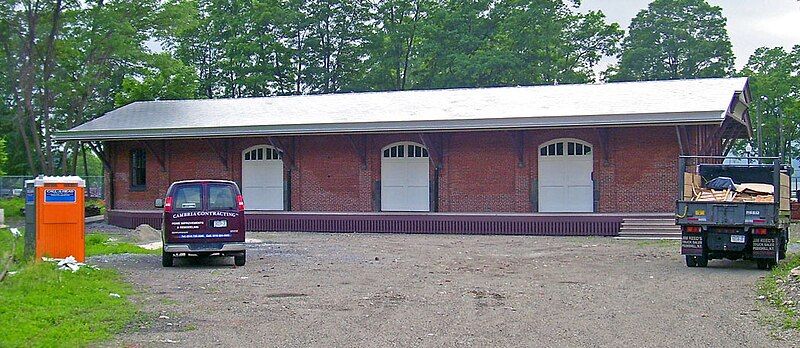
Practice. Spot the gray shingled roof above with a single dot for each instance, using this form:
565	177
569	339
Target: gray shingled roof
700	101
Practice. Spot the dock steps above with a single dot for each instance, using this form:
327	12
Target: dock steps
649	228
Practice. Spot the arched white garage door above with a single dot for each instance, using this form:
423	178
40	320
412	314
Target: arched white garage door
404	178
262	178
565	176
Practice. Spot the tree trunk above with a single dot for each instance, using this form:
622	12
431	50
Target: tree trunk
47	93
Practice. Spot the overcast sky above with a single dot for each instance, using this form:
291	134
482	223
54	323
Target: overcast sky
751	23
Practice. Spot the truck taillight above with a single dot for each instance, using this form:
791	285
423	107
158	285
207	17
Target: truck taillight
168	205
692	229
761	231
240	202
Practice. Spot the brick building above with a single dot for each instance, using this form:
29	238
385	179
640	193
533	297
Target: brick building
569	159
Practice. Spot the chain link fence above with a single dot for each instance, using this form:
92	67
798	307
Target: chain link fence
14	186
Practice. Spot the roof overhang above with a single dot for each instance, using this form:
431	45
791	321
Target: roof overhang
594	121
719	101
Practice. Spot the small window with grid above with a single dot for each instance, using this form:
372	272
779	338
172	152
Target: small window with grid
138	169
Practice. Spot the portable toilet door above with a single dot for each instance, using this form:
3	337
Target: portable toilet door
60	223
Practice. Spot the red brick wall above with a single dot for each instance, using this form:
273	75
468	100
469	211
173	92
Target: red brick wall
634	168
329	176
482	171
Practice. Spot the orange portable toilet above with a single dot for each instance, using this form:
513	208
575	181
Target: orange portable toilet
60	217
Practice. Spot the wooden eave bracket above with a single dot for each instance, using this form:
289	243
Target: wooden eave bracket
359	144
98	150
683	140
519	146
711	138
434	149
287	152
159	155
602	135
221	149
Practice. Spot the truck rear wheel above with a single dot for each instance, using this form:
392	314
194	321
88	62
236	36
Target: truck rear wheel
167	259
782	248
702	261
765	264
696	261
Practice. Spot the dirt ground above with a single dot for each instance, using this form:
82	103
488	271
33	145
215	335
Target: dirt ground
370	290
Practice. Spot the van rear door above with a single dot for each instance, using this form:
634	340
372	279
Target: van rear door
224	220
183	223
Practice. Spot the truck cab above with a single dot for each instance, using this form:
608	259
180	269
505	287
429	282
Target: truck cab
203	218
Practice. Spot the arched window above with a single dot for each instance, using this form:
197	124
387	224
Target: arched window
405	150
261	153
565	147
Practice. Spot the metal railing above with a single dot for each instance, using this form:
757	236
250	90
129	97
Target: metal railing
14	186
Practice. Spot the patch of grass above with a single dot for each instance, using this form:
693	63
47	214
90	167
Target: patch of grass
12	207
775	296
44	307
6	240
100	244
41	306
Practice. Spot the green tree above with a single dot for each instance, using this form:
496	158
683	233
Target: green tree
335	42
392	48
675	39
161	78
3	156
62	65
775	84
514	42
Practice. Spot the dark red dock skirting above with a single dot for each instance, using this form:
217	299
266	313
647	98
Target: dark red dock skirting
435	223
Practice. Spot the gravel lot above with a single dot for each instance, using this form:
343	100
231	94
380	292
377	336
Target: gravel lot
367	290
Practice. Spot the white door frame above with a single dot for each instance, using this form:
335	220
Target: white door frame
405	173
262	178
565	169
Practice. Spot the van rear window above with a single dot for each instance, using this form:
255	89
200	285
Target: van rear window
189	197
221	197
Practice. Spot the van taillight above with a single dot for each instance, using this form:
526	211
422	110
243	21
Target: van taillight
761	231
240	202
692	229
168	205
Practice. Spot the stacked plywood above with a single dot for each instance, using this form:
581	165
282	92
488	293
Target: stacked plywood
691	182
785	192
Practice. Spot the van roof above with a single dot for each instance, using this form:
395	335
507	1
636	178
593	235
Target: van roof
201	181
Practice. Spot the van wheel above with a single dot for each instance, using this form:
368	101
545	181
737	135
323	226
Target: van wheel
167	259
239	259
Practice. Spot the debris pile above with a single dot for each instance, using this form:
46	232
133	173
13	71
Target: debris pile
725	190
68	263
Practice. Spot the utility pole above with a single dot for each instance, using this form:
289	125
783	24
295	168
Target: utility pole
758	135
781	144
